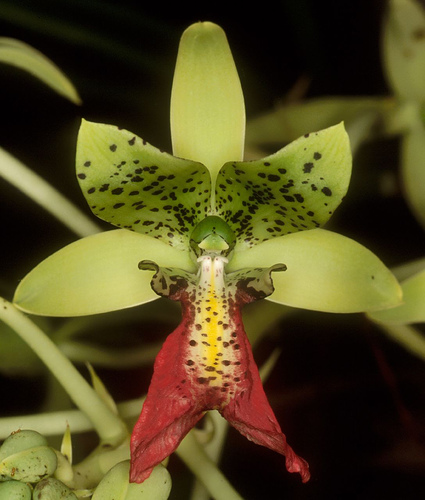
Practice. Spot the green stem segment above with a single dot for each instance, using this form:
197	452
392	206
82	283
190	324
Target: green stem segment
45	195
195	457
110	428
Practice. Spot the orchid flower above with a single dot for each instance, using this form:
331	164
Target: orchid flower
212	229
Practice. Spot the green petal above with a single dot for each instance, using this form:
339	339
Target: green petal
325	272
25	57
96	274
133	185
294	189
207	106
403	47
413	308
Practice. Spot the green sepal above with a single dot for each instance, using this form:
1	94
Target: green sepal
96	274
325	272
207	113
297	188
412	310
133	185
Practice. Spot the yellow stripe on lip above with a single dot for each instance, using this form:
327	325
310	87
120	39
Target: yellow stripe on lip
213	308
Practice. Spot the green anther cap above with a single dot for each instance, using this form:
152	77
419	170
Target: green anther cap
212	234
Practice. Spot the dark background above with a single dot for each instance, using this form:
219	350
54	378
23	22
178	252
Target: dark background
349	400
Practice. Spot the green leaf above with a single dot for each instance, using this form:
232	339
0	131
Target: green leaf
40	191
133	185
413	308
25	57
409	337
413	169
16	358
297	188
207	105
290	121
325	272
96	274
403	47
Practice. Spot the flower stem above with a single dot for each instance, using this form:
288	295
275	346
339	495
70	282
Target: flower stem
110	427
53	423
195	457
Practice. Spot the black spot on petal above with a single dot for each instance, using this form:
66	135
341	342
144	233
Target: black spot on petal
273	178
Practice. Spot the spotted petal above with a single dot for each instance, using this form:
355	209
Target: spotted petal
297	188
133	185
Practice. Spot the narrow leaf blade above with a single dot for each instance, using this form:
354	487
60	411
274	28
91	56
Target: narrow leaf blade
25	57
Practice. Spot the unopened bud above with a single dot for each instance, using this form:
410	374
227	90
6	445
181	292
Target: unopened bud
29	465
52	489
116	485
14	490
21	440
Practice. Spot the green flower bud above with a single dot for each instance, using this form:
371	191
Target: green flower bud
52	489
21	440
115	485
29	465
14	490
